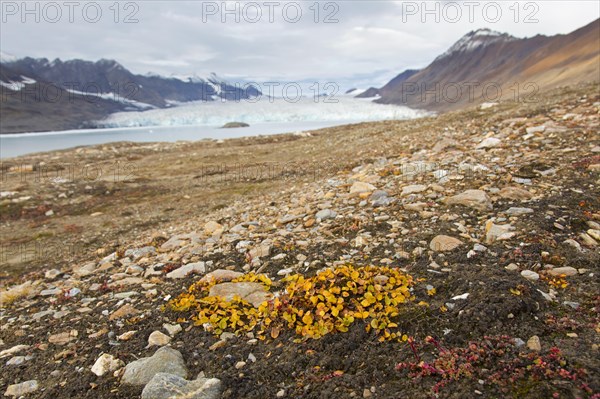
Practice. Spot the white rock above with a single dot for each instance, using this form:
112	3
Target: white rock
477	199
530	275
442	243
13	350
566	270
18	390
534	343
512	267
172	329
360	187
213	228
106	363
413	189
595	234
158	339
489	143
193	268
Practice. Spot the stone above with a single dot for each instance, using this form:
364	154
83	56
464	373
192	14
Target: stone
261	251
518	211
18	360
164	360
137	253
23	388
172	329
173	243
595	234
13	350
221	275
213	228
169	386
535	129
126	336
490	142
326	214
240	365
252	292
515	193
52	274
85	270
157	338
360	187
534	344
413	189
572	243
124	311
497	232
444	144
588	240
566	270
477	199
233	125
442	243
50	292
61	338
190	268
415	207
530	275
106	363
511	267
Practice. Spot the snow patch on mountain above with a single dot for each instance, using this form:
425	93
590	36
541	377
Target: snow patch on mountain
5	57
475	40
116	98
17	85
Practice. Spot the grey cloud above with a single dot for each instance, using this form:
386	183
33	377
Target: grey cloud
370	41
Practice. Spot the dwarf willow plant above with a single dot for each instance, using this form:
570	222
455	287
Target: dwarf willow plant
328	302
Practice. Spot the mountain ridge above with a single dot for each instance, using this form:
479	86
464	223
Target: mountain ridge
514	68
84	91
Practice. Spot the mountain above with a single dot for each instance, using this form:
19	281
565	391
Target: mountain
373	92
39	95
485	65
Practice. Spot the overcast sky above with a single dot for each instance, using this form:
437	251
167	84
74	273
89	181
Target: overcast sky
355	43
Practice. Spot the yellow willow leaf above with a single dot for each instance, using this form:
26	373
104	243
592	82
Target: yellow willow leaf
335	311
307	318
374	323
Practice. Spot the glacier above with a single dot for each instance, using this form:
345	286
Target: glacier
262	110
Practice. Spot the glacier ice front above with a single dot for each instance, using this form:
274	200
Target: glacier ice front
263	110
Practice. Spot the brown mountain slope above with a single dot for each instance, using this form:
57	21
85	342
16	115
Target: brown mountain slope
488	66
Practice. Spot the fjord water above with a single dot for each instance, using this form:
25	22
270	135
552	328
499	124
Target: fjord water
197	121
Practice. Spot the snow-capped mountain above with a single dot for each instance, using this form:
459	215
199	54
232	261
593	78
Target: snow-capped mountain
501	63
476	40
97	88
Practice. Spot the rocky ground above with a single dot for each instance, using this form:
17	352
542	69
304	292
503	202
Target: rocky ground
491	214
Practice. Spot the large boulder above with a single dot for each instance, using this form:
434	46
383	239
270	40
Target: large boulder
164	360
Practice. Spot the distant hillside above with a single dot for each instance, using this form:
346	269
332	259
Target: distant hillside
39	95
486	66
